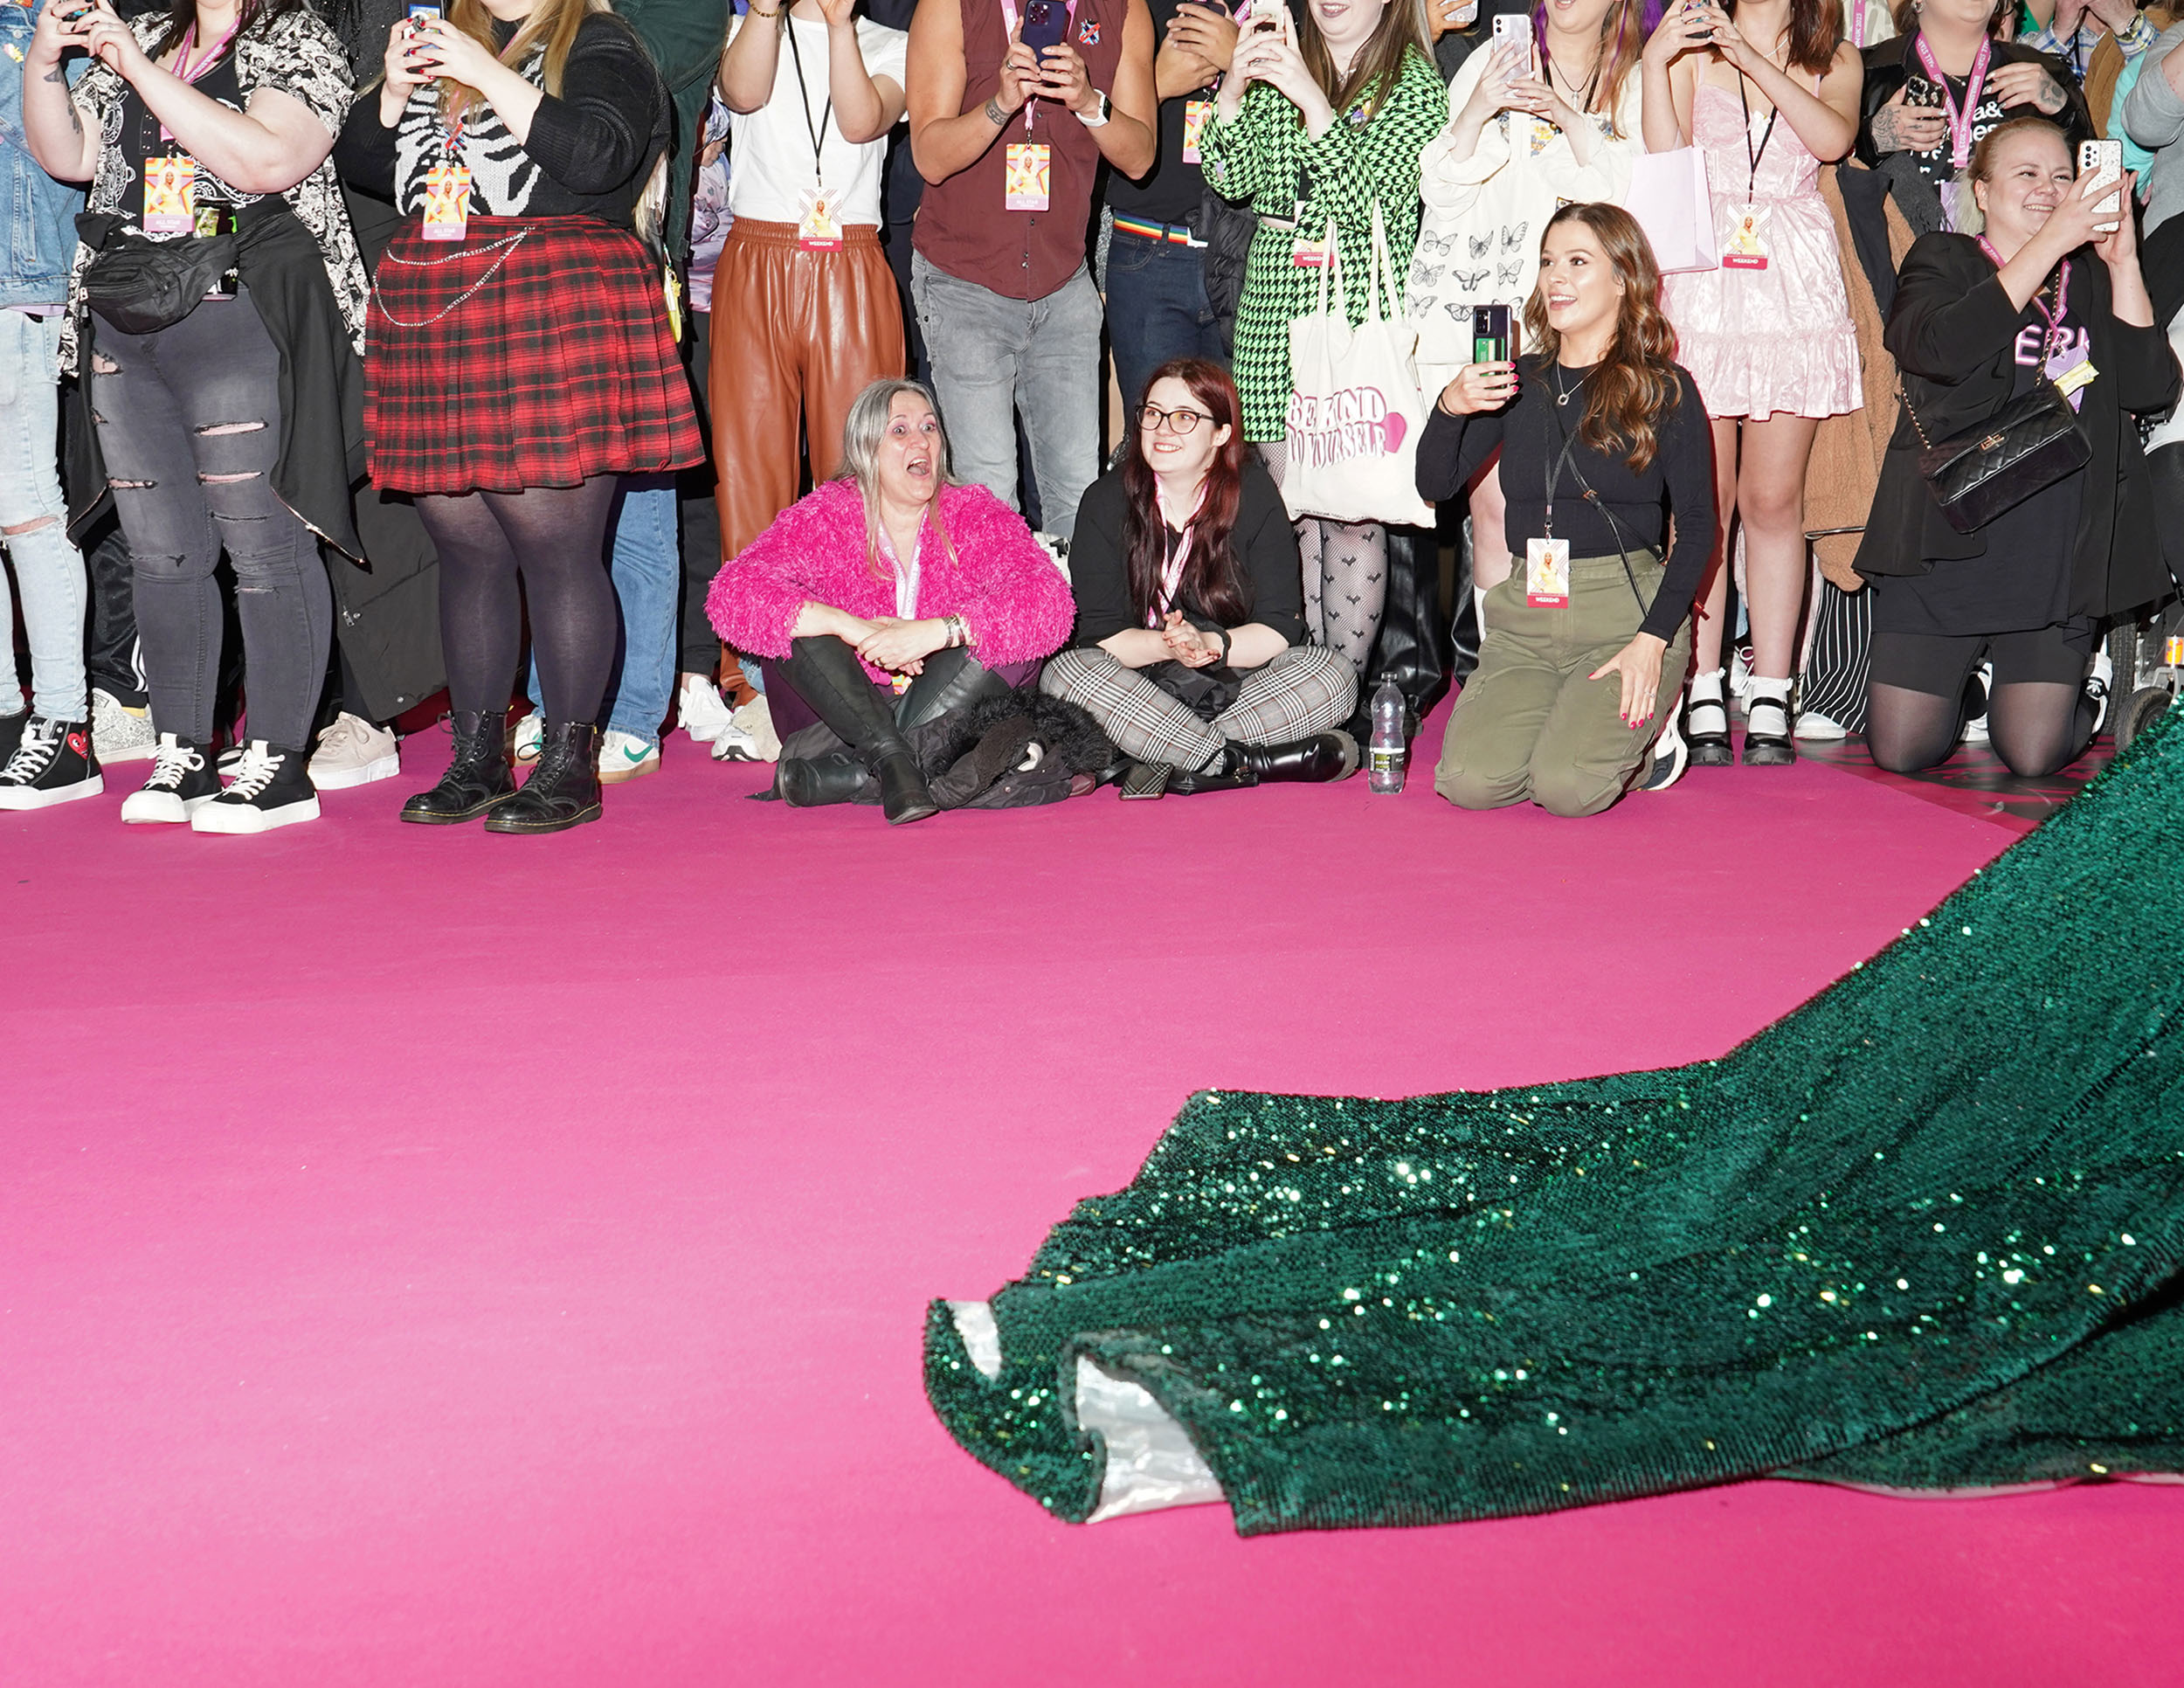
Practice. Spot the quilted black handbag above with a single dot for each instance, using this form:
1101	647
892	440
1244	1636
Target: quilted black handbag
2033	441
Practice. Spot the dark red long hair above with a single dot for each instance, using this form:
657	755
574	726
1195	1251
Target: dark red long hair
1212	577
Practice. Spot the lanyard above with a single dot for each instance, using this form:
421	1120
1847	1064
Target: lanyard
1857	25
1751	181
192	73
1009	19
1959	121
2055	314
1171	569
1555	464
803	105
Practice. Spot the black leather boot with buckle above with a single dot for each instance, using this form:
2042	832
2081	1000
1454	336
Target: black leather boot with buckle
827	676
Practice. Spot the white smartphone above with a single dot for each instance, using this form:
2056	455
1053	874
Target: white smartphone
1512	30
2104	161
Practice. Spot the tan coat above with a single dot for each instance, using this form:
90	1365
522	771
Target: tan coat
1847	450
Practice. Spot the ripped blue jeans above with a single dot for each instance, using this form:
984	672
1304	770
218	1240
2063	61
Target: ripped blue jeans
188	417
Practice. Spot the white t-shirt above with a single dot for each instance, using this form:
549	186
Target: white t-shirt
771	163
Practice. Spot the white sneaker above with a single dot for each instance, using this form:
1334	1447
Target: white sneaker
701	710
269	790
2097	686
530	738
750	736
625	756
1975	725
119	733
1811	723
182	782
354	752
1671	756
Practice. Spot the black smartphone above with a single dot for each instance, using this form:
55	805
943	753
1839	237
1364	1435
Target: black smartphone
1045	21
1920	95
1492	334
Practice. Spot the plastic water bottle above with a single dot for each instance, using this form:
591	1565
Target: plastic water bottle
1386	759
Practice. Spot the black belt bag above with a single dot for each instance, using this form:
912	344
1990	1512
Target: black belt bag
140	285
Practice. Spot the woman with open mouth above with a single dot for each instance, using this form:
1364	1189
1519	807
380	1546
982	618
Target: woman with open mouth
883	599
1601	441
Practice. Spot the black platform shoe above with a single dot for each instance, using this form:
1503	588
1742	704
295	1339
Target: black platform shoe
1320	759
1765	746
1706	725
815	782
564	789
476	780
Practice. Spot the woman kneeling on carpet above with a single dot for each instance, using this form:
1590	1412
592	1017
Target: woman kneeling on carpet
883	599
1978	324
1604	441
1190	610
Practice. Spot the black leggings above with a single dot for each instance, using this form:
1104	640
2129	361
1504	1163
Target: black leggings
2038	716
555	538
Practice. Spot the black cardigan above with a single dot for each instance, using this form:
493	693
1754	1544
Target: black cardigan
1953	332
1262	539
1889	65
595	141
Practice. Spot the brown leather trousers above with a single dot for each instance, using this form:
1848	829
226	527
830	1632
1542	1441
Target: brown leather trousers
794	332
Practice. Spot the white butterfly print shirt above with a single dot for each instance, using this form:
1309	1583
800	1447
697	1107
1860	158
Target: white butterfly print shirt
1479	244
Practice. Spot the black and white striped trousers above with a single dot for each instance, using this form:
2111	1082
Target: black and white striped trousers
1306	690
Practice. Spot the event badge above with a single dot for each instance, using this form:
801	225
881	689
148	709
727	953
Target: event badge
1195	112
170	194
817	228
1547	573
1309	254
1030	176
1747	250
447	201
2070	371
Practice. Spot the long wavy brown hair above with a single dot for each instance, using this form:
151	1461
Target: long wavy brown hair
1815	32
1372	78
554	22
1635	386
1212	576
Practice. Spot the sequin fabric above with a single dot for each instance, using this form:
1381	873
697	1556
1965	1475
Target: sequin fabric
1925	1232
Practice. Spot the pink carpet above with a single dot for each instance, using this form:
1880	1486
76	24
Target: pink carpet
429	1258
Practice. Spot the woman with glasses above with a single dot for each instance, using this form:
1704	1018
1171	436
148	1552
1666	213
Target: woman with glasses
1190	649
881	600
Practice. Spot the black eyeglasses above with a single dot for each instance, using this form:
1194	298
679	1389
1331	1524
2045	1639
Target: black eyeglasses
1151	418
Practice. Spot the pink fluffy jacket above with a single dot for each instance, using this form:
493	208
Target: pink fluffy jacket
1005	586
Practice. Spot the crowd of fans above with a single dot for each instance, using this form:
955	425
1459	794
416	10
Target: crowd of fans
352	351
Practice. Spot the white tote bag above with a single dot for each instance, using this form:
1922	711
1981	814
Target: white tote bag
1669	198
1354	406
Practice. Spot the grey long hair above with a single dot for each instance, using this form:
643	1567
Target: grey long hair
861	433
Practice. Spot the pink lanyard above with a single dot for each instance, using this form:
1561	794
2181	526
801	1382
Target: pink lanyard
1009	16
1959	121
2062	299
192	73
1172	570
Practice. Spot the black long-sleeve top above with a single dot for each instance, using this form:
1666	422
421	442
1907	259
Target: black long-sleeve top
1265	545
1953	334
588	153
1679	482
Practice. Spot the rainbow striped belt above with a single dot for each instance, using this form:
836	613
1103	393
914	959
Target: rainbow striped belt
1176	234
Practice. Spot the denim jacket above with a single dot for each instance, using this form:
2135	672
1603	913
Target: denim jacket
39	213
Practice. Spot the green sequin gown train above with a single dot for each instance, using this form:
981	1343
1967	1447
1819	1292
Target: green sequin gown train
1924	1232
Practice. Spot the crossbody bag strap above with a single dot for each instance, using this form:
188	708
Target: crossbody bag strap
1592	498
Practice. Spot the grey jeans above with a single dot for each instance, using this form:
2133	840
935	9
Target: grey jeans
190	421
995	358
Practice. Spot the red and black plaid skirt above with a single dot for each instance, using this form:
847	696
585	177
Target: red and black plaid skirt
536	353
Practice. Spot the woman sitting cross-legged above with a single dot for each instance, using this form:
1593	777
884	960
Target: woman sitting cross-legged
1603	442
881	600
1190	608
